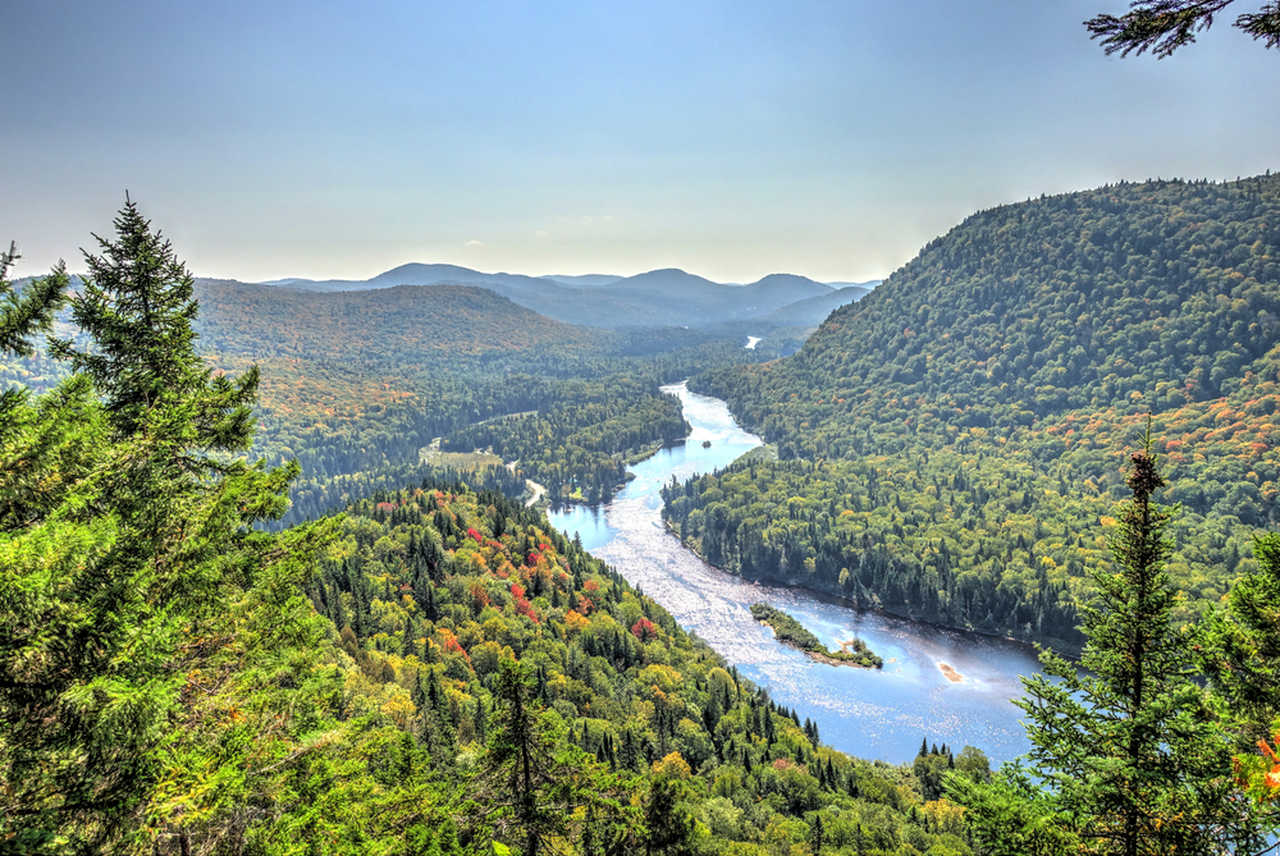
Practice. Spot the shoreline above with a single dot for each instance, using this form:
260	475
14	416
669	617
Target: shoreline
1071	652
815	655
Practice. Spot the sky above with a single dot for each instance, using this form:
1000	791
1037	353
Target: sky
735	139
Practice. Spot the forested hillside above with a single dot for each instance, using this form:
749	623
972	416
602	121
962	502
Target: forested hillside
356	383
642	738
949	442
436	672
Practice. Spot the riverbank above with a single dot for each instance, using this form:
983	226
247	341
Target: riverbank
871	713
1061	646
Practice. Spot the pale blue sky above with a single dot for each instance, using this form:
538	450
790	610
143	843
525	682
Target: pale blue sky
831	139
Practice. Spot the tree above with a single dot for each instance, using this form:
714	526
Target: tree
1163	26
1011	816
24	314
1242	654
543	787
137	306
121	538
1242	661
1130	756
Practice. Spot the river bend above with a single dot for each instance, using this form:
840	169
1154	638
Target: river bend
871	714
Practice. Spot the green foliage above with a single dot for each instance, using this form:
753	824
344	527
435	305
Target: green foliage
1125	744
1241	657
1163	26
121	538
30	311
469	602
1011	815
1242	653
792	632
580	441
137	307
949	443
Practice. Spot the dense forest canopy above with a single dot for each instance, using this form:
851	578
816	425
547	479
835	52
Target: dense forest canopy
356	384
435	672
949	443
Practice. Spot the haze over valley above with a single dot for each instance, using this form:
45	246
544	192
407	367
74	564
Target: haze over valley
797	431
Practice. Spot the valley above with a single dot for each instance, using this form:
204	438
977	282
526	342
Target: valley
461	510
877	714
640	429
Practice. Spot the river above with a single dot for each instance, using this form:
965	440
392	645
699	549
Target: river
877	714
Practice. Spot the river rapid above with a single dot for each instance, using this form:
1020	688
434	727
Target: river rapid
877	714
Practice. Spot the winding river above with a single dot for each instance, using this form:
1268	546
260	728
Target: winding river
871	714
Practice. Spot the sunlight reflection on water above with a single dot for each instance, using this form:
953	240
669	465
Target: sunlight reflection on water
881	714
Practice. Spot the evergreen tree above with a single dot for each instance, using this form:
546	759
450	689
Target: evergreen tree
541	785
121	539
1163	26
1127	749
1242	659
137	306
1242	654
24	314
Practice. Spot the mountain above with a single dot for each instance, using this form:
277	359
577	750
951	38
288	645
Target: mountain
589	280
778	290
660	298
404	323
813	310
951	442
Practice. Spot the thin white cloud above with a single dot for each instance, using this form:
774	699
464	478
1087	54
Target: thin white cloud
473	243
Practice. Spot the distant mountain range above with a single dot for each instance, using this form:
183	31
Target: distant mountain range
668	297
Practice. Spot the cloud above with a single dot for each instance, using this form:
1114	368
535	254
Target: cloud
474	243
542	233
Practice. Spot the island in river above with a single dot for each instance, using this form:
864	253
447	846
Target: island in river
852	653
871	713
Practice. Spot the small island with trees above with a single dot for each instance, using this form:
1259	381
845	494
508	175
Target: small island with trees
852	653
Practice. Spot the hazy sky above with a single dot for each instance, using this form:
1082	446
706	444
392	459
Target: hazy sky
731	139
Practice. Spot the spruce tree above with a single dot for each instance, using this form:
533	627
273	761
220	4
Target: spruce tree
1124	743
137	306
25	313
1241	657
125	527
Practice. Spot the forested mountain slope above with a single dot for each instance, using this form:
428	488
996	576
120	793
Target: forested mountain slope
948	441
356	383
643	739
435	673
400	325
814	310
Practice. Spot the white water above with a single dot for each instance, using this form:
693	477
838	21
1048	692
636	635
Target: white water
869	713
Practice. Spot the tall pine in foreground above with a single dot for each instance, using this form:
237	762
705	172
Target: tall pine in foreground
125	529
137	307
1129	757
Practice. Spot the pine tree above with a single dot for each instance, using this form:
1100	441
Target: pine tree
1127	749
137	306
124	530
24	314
536	778
1164	26
1241	657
